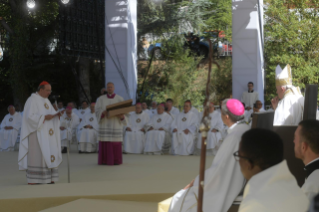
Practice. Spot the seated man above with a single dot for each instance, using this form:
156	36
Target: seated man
85	110
307	149
271	186
9	130
158	139
134	138
68	124
184	131
214	136
153	110
173	111
223	180
87	132
60	106
145	109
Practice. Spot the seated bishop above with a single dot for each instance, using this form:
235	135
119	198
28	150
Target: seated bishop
68	124
85	110
289	104
87	132
270	186
223	180
9	130
184	131
158	137
134	138
214	136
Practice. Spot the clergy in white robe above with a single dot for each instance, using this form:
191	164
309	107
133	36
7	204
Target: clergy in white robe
158	136
306	142
110	129
249	97
68	124
184	131
85	110
289	104
87	132
134	139
173	111
74	109
9	130
153	110
40	145
271	186
145	109
214	136
60	106
223	180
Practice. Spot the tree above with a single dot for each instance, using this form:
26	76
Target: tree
292	37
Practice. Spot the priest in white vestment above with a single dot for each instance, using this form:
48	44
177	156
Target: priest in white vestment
9	130
249	97
134	139
85	110
223	180
184	131
74	109
306	142
60	106
214	136
289	104
87	132
40	144
110	129
271	186
158	136
68	124
173	111
153	110
145	109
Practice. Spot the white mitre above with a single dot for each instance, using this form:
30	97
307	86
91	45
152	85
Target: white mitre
284	78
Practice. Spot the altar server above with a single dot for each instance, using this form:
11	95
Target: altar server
306	142
134	139
184	131
289	104
110	129
9	130
40	144
214	136
69	123
158	136
271	186
249	97
223	180
87	132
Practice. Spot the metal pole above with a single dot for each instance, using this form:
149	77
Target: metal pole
68	162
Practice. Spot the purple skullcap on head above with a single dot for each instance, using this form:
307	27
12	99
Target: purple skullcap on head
92	102
69	108
138	103
235	107
162	105
11	106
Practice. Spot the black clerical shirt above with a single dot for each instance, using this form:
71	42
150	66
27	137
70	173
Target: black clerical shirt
311	167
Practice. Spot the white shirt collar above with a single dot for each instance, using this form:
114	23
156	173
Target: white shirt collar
313	161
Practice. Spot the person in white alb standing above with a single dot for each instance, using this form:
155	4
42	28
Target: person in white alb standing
249	97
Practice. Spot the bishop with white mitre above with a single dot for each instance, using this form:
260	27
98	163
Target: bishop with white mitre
40	145
9	130
214	136
87	132
158	137
184	129
134	138
223	180
68	124
289	104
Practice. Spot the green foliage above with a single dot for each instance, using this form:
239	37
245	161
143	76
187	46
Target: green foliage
291	37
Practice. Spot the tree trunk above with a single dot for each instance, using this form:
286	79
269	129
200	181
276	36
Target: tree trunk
84	78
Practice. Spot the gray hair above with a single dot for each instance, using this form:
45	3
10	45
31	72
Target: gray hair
232	117
11	106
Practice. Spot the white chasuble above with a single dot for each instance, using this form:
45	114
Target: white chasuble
274	189
110	129
70	124
249	99
134	140
81	113
213	138
289	110
223	180
182	143
153	112
8	138
48	132
158	140
87	134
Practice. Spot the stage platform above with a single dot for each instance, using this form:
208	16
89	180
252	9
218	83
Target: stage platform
140	183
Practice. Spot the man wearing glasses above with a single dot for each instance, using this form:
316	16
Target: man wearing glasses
223	180
271	186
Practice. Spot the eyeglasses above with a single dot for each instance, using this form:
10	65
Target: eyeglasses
237	157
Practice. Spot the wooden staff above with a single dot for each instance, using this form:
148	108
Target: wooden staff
204	128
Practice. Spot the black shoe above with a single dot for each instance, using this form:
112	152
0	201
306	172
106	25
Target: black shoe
65	150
